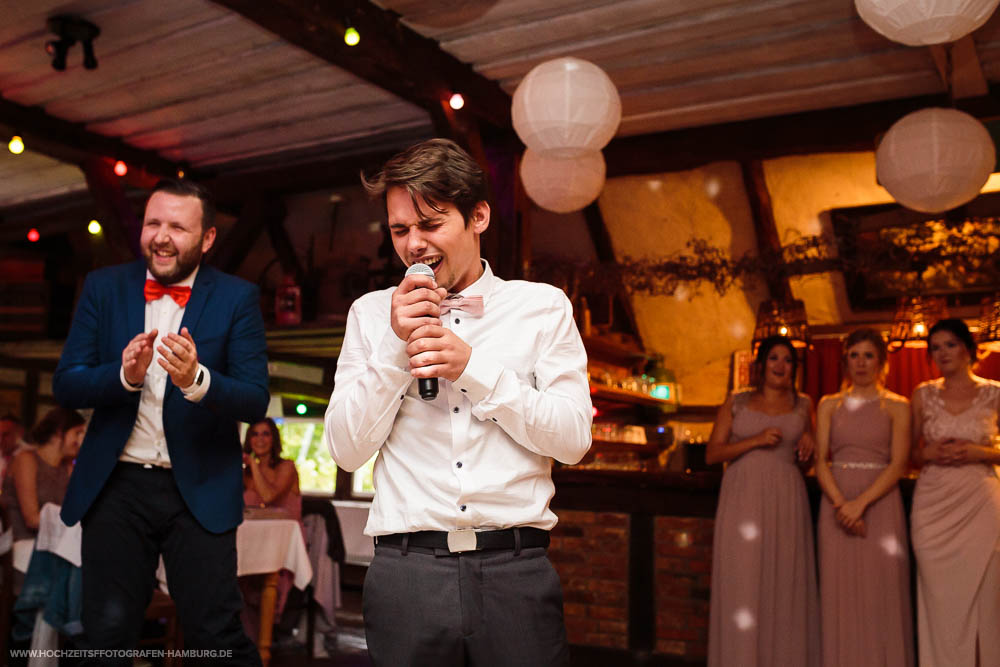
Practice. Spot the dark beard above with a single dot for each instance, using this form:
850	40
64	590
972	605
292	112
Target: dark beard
185	265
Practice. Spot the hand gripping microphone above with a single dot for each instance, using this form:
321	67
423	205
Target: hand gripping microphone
428	387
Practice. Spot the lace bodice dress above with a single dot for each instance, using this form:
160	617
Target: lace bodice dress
955	527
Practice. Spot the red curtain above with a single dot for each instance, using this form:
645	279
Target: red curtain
908	367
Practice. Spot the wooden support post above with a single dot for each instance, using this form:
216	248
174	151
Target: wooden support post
122	227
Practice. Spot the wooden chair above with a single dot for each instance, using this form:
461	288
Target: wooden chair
162	607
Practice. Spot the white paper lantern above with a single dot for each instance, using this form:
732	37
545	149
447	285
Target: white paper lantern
923	22
566	106
562	184
933	160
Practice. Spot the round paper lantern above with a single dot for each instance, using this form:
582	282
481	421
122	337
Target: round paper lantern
933	160
562	184
566	106
923	22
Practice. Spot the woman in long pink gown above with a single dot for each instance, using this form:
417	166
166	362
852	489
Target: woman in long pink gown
269	481
764	609
862	449
955	520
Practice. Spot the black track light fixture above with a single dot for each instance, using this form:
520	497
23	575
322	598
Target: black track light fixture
70	30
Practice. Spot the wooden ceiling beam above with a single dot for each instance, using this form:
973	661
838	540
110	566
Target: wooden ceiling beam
854	128
389	55
960	69
74	144
765	227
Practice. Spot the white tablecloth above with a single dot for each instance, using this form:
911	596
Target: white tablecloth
262	545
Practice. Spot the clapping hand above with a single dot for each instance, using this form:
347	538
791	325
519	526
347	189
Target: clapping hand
136	357
179	357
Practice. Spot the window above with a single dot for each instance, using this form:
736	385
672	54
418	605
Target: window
302	442
361	483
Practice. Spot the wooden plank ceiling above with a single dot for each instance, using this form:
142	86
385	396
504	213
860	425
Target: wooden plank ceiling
190	81
688	63
194	83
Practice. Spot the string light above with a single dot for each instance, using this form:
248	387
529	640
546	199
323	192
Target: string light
180	173
33	235
16	145
301	408
456	102
351	37
121	168
94	227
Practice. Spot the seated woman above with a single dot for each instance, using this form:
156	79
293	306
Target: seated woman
40	474
269	481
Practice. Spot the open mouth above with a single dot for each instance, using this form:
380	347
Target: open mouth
434	261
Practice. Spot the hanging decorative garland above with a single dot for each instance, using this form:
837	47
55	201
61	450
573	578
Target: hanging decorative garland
967	251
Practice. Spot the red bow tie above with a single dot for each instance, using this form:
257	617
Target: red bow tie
155	290
472	305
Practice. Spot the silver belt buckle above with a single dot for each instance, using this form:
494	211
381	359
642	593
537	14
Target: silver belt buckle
461	540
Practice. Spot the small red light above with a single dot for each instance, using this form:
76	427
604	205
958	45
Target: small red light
33	235
121	168
594	411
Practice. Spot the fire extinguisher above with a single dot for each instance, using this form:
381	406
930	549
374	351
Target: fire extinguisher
288	303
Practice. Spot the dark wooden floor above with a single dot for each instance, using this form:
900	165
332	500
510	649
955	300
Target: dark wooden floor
347	649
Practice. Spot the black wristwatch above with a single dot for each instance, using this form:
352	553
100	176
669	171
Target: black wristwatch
201	376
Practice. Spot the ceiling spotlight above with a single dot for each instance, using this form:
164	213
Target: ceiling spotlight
456	101
121	168
70	30
351	37
16	145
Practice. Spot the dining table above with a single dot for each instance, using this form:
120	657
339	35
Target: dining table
264	546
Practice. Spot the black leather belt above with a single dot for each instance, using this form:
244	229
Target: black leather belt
458	541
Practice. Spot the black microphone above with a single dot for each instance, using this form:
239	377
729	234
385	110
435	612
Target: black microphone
428	387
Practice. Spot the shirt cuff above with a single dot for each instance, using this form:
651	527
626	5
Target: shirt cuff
125	383
391	352
480	377
195	392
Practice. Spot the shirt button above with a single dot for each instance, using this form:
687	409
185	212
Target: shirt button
458	465
493	418
458	321
462	508
455	409
463	391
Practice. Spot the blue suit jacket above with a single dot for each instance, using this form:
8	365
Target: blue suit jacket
223	316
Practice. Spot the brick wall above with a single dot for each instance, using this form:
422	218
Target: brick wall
590	552
683	567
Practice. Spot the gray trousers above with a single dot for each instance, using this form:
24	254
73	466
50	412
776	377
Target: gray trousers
481	609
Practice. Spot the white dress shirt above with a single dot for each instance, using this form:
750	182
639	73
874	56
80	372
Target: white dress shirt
148	444
480	454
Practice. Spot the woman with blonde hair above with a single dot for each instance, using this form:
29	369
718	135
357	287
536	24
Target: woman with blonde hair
955	521
862	449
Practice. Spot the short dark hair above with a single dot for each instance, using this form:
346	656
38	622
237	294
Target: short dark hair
959	329
182	187
55	422
275	440
437	170
764	349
